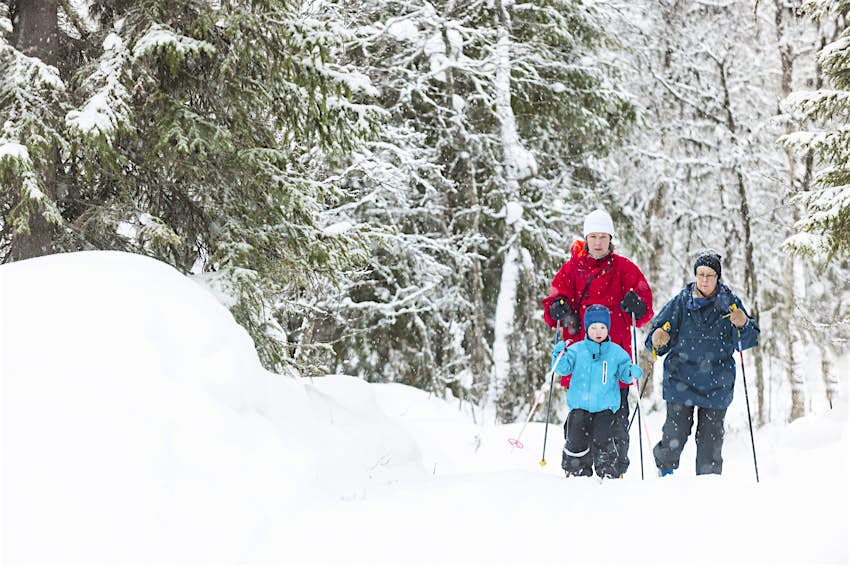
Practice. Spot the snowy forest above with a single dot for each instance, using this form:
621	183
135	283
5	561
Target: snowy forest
385	189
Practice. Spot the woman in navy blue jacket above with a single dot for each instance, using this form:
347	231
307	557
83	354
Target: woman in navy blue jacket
705	320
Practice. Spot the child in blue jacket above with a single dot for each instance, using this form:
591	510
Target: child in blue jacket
596	364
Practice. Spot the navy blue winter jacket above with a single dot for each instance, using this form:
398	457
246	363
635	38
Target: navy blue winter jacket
700	365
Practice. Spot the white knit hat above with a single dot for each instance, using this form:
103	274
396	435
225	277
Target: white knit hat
598	221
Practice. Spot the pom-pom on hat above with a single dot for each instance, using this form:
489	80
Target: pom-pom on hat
597	314
710	260
598	221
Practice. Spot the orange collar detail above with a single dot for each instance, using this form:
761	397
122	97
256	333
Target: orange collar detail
579	249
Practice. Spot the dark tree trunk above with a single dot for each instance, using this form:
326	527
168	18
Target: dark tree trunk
792	270
36	34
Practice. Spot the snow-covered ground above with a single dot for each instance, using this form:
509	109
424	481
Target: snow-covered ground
138	426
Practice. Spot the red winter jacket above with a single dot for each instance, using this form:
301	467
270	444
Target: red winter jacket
611	278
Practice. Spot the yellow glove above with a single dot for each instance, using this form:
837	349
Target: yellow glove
660	337
738	317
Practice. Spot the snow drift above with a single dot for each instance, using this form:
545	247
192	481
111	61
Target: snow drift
139	424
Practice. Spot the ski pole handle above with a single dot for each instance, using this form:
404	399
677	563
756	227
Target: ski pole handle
666	327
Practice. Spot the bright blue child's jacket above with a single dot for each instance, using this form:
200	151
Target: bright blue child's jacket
595	367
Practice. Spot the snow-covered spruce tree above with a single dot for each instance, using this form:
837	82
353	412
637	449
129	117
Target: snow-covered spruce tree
505	99
825	228
823	233
187	131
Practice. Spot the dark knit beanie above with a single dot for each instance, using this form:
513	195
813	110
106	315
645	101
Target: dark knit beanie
710	260
597	314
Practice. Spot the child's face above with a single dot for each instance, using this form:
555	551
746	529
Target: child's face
597	332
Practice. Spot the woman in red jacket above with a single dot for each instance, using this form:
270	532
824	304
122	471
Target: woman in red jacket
595	275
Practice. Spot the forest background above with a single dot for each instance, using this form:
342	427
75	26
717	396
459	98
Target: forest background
385	189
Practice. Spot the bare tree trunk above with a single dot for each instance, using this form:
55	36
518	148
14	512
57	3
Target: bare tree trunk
751	282
475	339
478	355
36	34
792	340
793	272
829	378
752	287
515	162
657	211
658	248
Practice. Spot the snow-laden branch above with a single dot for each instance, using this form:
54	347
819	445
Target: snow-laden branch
20	73
108	108
834	56
823	103
698	107
14	154
160	36
834	144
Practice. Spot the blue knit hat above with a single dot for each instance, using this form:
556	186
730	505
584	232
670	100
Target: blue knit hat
597	314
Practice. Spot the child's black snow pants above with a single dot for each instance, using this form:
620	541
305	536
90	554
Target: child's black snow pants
677	429
620	432
589	444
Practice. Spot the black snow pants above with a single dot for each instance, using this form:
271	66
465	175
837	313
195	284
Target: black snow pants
620	433
676	430
589	444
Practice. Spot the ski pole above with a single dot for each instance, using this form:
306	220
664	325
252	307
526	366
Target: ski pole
747	398
647	435
537	399
515	441
637	407
666	327
549	403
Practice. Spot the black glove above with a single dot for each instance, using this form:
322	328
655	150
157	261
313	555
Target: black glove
560	309
632	303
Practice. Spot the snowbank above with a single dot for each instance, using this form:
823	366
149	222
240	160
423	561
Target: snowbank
139	424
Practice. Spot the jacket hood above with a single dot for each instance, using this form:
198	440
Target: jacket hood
723	297
578	249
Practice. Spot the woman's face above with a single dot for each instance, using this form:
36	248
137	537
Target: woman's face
598	244
706	280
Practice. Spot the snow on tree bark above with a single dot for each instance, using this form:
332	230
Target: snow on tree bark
518	165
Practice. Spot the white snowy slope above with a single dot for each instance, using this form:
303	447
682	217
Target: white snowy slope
139	426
